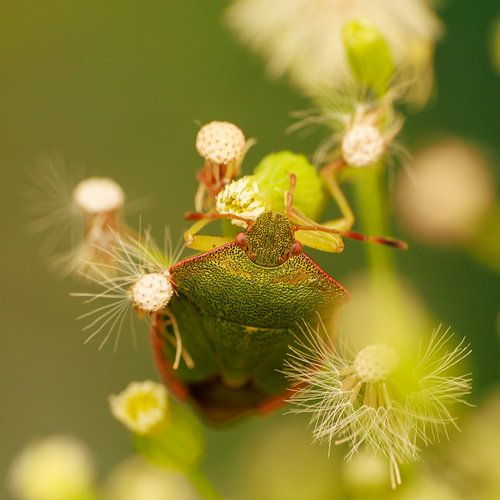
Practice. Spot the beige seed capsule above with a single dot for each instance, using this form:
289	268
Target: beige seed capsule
220	142
98	195
152	292
375	363
362	146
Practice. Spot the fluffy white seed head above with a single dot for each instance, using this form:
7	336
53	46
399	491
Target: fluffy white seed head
242	197
220	142
372	400
362	146
152	292
98	194
55	468
375	363
141	407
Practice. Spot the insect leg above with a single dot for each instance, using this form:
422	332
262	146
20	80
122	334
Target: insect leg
203	242
179	350
327	242
329	174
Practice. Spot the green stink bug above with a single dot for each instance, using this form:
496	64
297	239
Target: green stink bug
236	309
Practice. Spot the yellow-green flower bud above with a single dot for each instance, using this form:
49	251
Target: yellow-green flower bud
369	56
273	176
142	407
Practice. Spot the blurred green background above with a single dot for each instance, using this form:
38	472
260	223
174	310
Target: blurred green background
119	87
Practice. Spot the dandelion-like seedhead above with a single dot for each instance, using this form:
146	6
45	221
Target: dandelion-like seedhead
242	197
141	407
79	220
361	132
377	397
135	276
220	142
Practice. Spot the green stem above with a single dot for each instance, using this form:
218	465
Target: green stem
373	216
203	485
389	309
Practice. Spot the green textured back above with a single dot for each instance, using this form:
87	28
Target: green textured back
226	284
235	316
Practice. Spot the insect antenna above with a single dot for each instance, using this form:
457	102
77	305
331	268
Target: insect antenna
353	235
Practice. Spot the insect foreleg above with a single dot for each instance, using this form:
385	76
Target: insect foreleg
203	242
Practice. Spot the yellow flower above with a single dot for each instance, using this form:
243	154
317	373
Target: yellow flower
377	397
142	407
55	468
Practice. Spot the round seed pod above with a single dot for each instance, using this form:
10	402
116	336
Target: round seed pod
98	194
152	292
362	146
220	142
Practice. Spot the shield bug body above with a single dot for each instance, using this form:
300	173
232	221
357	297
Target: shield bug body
236	308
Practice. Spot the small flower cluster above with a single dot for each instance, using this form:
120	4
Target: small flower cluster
242	197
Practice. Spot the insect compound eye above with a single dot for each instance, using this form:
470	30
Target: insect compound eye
296	249
241	240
